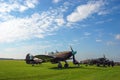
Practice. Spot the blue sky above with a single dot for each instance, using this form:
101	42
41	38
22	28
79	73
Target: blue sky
91	27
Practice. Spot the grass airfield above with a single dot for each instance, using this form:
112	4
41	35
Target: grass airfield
19	70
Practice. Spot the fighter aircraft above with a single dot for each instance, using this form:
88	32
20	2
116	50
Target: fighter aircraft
61	56
32	60
103	61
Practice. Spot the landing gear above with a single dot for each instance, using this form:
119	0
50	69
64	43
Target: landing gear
79	65
66	65
75	62
32	64
59	65
98	64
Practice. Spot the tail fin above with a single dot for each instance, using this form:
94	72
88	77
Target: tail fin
27	59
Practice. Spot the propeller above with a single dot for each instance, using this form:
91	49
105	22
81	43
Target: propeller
73	52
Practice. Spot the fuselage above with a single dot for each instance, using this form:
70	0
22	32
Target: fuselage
61	56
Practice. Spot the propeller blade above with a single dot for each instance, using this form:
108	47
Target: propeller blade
75	61
73	52
71	48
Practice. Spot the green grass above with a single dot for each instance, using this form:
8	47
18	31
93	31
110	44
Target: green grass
19	70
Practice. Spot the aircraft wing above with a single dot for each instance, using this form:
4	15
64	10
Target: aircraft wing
45	57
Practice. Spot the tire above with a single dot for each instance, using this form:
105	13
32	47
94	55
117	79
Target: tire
66	66
59	65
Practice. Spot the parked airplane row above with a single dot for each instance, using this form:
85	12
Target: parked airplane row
56	58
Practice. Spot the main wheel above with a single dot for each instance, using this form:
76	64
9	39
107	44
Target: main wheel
66	65
59	65
98	65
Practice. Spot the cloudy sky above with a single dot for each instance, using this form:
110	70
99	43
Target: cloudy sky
91	27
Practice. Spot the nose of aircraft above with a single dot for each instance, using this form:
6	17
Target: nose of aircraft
73	52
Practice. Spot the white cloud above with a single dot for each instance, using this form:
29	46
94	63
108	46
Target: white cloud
31	4
87	33
103	12
5	17
56	1
98	40
35	26
111	43
60	21
84	11
6	7
16	5
104	21
117	36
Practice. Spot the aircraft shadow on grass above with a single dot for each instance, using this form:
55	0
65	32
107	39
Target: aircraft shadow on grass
81	67
76	67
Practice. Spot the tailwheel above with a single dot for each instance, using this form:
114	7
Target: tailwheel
32	64
66	65
59	65
98	64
